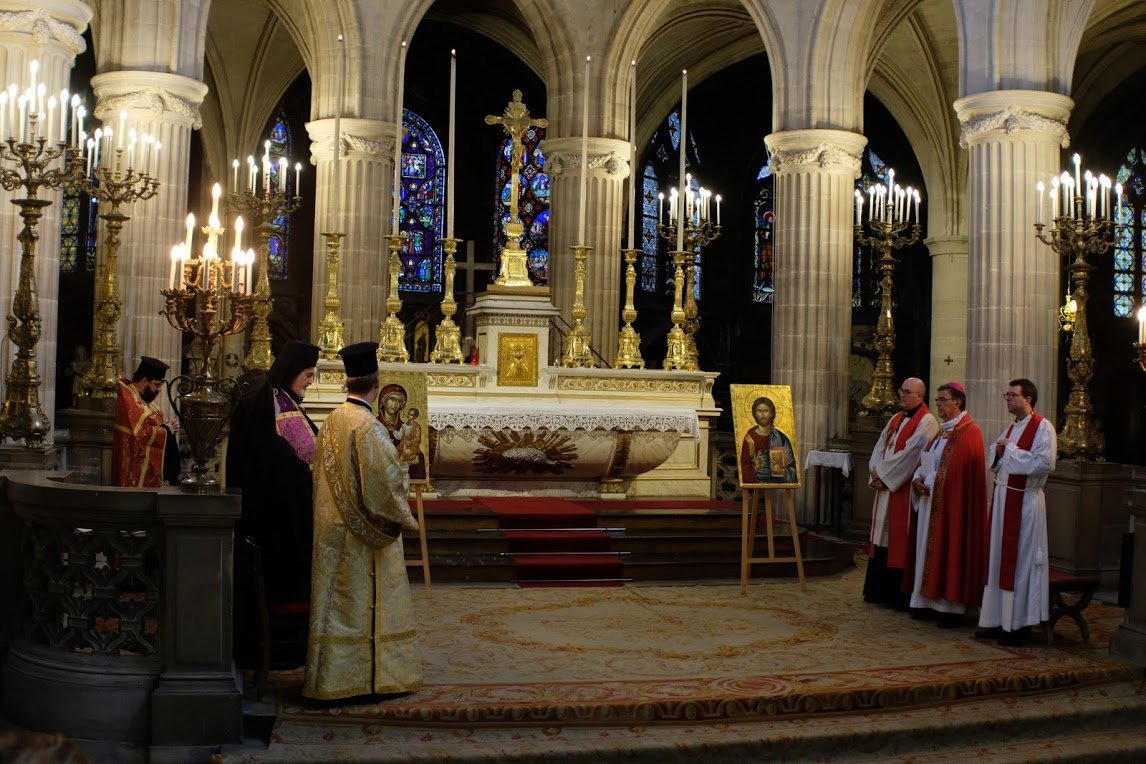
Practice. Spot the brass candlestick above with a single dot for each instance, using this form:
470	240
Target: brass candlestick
447	345
1075	236
113	187
677	357
578	343
882	399
262	210
22	415
207	290
697	234
392	334
332	331
628	341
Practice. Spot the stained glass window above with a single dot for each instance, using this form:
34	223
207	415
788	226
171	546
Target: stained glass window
763	285
278	266
865	273
532	203
423	187
78	230
647	266
1130	241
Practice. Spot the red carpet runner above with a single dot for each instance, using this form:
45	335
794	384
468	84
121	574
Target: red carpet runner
554	542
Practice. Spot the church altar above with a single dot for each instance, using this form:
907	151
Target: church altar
580	432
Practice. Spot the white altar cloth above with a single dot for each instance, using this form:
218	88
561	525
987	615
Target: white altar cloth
529	415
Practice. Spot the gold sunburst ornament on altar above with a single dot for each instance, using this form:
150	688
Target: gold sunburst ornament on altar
524	453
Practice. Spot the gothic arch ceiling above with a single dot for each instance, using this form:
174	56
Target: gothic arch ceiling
1113	48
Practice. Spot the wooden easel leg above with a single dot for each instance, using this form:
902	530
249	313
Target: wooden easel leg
796	541
768	521
747	525
422	541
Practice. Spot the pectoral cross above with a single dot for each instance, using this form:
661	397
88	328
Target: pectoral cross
516	121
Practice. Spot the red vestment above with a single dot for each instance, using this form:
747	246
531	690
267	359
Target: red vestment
139	441
955	566
900	518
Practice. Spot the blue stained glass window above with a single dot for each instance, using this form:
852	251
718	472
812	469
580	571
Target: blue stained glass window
650	208
423	194
763	283
532	203
78	230
1129	284
278	263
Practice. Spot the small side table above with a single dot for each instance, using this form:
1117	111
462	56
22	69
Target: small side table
826	462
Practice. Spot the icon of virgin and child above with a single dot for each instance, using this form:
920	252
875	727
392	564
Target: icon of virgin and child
404	428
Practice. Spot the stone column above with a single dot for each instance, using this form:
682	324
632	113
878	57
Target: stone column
51	33
811	332
364	210
608	169
167	106
949	312
1013	139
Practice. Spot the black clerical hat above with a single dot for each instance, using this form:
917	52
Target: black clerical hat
294	358
360	359
150	368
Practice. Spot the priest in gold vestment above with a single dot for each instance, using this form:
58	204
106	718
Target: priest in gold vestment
362	630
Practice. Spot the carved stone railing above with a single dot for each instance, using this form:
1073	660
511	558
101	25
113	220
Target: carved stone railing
115	614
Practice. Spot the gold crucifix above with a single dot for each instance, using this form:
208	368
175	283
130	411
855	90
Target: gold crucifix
516	121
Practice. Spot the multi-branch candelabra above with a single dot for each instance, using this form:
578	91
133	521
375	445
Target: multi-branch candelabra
628	341
30	163
331	331
1084	228
890	223
447	343
209	298
113	188
392	333
699	230
265	210
578	353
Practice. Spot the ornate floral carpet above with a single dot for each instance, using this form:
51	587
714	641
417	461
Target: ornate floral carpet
619	663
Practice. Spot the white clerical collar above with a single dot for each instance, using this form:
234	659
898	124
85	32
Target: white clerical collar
950	423
1021	420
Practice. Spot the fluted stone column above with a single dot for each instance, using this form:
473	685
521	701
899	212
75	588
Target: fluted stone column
948	311
605	204
366	175
167	106
53	34
1013	139
811	331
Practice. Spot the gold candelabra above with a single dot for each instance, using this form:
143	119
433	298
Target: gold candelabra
677	357
113	187
628	341
392	334
263	210
210	299
331	331
888	230
1074	236
32	169
447	344
697	234
578	352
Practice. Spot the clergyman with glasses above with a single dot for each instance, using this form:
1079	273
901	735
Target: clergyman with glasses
894	459
949	494
1017	592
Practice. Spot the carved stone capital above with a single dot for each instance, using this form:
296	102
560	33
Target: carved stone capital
563	155
830	150
359	137
51	29
157	94
1011	112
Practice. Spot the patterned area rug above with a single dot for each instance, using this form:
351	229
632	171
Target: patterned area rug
501	656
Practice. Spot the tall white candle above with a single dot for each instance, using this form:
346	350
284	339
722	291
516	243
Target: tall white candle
451	171
336	184
718	210
1142	324
683	144
1039	188
859	207
584	156
917	220
297	177
216	192
1077	170
235	180
1118	203
633	174
174	263
398	139
190	231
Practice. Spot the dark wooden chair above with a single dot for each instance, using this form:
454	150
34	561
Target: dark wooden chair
279	625
1083	589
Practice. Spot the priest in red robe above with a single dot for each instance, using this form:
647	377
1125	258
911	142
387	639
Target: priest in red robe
949	493
144	452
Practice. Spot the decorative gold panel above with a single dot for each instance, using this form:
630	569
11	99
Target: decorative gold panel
517	360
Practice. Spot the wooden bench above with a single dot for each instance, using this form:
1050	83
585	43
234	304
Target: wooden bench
1083	587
